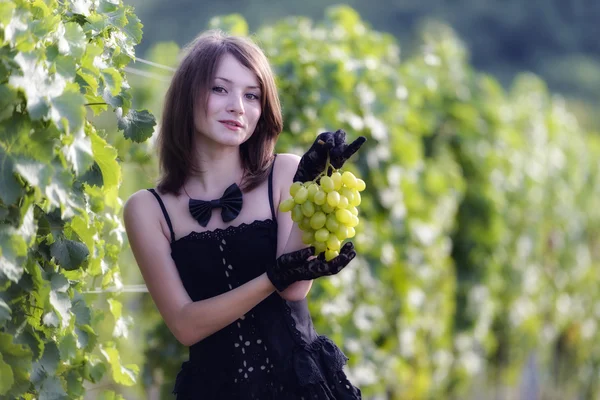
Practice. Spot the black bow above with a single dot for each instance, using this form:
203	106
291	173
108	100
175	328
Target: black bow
230	203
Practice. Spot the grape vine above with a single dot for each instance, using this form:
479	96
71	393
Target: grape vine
61	69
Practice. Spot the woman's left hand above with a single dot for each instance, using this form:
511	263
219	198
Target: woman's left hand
332	144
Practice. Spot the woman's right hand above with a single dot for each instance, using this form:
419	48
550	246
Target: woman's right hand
296	266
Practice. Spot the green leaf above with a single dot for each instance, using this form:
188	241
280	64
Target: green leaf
106	157
124	375
73	41
81	7
16	32
34	141
31	339
67	109
8	100
68	347
10	189
36	173
66	67
113	80
62	305
5	312
122	100
137	126
83	315
6	12
96	23
79	153
50	359
87	81
75	388
28	227
86	337
13	250
86	233
69	254
133	29
109	395
39	87
51	319
115	307
7	378
234	24
58	282
96	370
52	389
17	356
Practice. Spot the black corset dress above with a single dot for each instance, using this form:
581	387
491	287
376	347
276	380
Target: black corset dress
272	352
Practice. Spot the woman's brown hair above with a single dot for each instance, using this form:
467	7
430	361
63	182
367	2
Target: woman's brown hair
190	85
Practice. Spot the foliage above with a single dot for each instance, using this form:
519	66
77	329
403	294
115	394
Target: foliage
553	38
60	238
480	237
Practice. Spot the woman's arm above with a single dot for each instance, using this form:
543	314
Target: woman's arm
189	321
289	235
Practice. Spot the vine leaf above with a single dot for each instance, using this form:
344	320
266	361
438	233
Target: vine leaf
5	314
69	254
137	126
125	375
6	376
10	190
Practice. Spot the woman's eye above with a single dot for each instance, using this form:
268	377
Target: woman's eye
219	89
252	96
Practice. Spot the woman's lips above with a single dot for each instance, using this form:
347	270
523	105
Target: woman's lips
231	125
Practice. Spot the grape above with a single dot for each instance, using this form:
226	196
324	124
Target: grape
331	254
343	203
320	197
287	205
326	210
327	184
308	208
301	195
351	232
349	179
343	216
317	221
322	235
336	177
295	187
333	198
333	243
297	214
313	188
360	185
307	237
331	224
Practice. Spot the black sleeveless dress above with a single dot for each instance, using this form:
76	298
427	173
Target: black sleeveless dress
272	352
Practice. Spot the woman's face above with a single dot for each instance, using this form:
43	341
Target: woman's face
233	107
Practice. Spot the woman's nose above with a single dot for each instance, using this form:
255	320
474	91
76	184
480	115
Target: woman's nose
236	105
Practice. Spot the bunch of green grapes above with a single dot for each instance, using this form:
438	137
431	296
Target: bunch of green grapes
326	210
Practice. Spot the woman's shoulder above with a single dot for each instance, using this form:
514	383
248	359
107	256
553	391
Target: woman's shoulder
286	165
142	202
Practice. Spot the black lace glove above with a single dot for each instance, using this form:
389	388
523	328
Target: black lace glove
293	267
315	159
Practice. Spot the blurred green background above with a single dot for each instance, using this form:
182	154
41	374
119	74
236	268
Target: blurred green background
479	241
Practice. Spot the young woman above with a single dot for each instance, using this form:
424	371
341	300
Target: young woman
228	272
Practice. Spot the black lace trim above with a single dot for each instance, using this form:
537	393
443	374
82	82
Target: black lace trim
220	233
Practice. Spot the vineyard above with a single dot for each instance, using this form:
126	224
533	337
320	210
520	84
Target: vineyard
479	236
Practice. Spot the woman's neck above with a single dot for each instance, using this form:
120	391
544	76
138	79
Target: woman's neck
217	171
